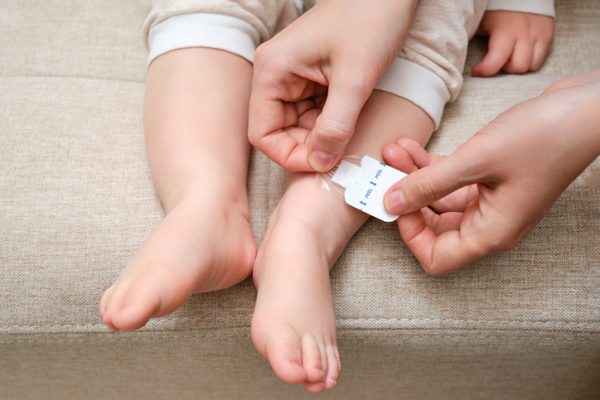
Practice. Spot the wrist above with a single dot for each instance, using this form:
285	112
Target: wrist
589	118
581	120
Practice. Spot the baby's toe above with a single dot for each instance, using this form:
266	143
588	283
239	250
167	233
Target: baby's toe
334	367
110	304
105	300
315	387
312	359
139	304
284	352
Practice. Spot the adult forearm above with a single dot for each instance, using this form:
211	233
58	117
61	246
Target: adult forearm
581	117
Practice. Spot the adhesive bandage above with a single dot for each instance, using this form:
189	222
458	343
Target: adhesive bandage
365	182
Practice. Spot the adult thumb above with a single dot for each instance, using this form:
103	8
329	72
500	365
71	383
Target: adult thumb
334	127
427	185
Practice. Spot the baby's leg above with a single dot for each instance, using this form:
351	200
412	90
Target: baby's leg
195	122
294	321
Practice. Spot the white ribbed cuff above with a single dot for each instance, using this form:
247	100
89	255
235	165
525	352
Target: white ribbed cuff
216	31
416	83
543	7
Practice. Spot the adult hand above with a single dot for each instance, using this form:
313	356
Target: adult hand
518	42
313	78
498	185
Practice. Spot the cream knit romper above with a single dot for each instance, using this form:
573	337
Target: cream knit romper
428	70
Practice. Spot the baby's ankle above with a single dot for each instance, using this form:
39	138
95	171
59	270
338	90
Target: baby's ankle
320	215
208	199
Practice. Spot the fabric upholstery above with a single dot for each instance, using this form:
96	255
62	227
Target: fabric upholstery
76	202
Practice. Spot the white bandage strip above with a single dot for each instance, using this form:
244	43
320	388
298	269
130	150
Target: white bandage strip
366	185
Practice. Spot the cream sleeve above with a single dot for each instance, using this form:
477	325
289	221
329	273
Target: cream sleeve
237	26
429	69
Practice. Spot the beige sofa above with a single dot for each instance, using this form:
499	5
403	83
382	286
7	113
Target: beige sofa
76	201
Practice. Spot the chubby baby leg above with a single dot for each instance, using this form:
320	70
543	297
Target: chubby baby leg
195	122
293	326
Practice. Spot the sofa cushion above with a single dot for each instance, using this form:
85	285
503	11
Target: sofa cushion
76	202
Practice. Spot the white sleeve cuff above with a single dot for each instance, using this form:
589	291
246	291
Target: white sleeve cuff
417	84
543	7
203	30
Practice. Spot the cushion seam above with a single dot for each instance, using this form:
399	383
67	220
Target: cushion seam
521	323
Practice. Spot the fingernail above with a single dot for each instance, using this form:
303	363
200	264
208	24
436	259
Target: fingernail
395	202
321	161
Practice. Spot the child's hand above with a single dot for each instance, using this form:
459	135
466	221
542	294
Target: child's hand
518	42
498	185
334	54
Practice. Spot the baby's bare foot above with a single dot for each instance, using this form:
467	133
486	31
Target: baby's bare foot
196	248
293	326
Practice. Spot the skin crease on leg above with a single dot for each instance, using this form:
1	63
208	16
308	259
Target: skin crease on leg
293	326
195	121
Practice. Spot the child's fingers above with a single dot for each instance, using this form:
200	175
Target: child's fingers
540	52
521	58
500	48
